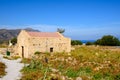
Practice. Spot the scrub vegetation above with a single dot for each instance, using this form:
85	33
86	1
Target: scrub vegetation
2	69
86	62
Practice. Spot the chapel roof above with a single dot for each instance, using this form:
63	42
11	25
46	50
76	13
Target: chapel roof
45	34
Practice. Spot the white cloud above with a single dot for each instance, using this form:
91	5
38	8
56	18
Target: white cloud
75	32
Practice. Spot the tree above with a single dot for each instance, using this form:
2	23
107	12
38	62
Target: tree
76	42
60	30
97	42
108	40
14	41
89	43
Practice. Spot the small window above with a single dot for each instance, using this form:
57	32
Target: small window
51	49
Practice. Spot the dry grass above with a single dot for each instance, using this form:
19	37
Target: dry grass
2	69
11	57
88	62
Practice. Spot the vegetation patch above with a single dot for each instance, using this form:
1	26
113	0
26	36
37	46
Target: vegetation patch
2	69
87	62
11	57
108	40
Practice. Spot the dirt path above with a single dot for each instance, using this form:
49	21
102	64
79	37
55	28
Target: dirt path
13	69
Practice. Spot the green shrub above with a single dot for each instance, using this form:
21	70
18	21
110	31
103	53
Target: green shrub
108	40
89	43
72	73
97	76
61	67
37	53
117	77
88	70
36	70
76	42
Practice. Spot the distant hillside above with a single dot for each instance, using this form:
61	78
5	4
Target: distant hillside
7	34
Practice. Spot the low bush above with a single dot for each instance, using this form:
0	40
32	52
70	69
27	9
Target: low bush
117	77
36	70
11	57
26	60
72	73
37	53
87	62
89	43
76	42
2	69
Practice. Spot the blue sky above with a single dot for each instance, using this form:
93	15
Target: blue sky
81	19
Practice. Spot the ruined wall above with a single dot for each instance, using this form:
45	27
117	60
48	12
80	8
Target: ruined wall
41	44
23	43
46	44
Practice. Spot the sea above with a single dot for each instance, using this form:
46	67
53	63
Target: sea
85	41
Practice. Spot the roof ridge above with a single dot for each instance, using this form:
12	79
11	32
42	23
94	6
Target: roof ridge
44	34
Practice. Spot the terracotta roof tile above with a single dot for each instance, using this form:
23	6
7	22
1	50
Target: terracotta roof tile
44	34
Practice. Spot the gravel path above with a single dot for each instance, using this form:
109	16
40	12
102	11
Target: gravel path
13	69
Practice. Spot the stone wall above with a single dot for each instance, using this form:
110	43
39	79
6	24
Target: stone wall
30	44
45	44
